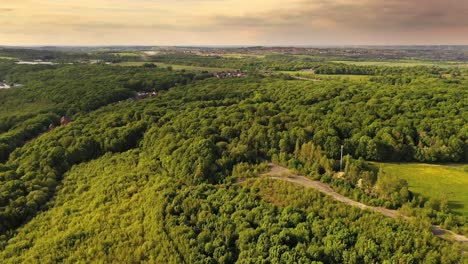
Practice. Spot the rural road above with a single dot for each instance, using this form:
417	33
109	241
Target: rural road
280	173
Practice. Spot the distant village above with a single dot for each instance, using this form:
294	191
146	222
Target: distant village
229	74
63	122
36	62
140	96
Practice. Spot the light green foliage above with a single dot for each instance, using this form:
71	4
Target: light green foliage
324	77
406	63
7	58
114	209
244	170
174	66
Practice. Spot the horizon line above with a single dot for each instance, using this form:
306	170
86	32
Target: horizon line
237	45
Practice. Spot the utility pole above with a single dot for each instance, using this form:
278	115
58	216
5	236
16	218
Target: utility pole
341	159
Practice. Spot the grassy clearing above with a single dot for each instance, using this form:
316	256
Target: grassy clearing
174	66
326	76
128	54
241	56
7	58
435	181
349	76
405	63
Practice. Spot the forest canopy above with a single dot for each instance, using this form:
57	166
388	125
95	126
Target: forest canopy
158	178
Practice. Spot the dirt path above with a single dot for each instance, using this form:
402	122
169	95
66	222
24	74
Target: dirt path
281	173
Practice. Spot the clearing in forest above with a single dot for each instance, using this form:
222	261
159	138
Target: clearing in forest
406	63
280	173
435	181
174	66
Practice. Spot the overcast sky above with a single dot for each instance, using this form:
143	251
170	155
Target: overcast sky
233	22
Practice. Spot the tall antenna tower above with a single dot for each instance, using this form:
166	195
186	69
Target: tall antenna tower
341	159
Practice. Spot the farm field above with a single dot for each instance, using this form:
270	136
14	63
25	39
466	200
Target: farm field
242	56
127	54
7	58
174	66
306	74
404	63
435	181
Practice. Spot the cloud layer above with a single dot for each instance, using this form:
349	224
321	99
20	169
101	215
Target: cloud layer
229	22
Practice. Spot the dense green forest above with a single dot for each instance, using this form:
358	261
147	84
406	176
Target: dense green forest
113	209
50	92
63	55
157	180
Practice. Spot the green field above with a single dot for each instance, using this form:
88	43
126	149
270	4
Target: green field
128	54
241	56
311	75
7	58
405	63
435	181
174	66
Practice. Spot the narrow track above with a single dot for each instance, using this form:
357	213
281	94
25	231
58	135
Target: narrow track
280	173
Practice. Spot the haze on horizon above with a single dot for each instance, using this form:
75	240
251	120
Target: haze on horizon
233	22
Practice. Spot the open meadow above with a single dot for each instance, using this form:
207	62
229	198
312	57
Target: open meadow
435	181
311	75
405	63
174	66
